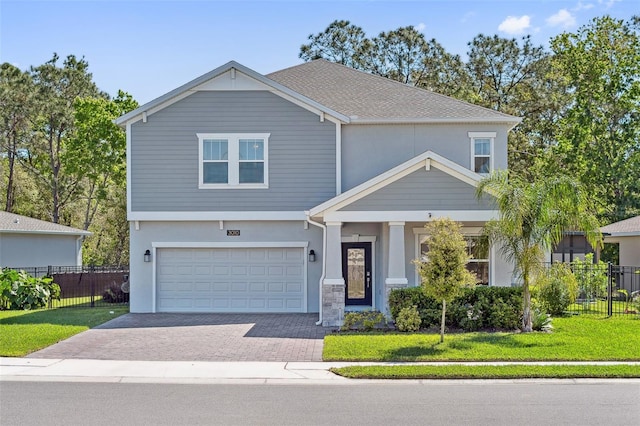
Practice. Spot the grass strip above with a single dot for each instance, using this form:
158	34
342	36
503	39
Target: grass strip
577	338
23	332
488	371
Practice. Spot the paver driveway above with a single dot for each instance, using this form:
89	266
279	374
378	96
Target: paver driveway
197	337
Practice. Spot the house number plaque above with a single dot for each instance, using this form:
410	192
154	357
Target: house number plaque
233	232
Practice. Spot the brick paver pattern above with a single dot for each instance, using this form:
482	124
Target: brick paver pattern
197	337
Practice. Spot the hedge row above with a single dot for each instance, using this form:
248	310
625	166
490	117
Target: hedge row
476	308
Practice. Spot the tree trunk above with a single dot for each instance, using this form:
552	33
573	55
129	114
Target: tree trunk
444	309
11	154
527	323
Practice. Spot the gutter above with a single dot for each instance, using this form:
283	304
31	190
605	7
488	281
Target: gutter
324	261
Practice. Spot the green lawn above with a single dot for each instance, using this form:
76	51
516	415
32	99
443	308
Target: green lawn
578	338
488	372
23	332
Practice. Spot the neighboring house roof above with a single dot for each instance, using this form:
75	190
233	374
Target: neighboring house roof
625	228
367	98
427	160
349	95
15	223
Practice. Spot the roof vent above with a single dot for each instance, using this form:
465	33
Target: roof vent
16	220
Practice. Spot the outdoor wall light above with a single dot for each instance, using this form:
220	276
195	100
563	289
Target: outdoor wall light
312	256
147	256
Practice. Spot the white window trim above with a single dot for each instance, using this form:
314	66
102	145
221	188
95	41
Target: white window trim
233	160
467	231
482	135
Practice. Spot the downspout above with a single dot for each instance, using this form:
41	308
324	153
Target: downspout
324	262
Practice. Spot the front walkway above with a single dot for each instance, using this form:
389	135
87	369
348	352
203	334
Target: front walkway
196	337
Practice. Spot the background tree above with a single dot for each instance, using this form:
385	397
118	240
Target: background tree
444	270
96	152
599	136
533	218
17	98
57	89
341	42
515	77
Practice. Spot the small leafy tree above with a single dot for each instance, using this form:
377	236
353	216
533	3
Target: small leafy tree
556	289
592	277
443	270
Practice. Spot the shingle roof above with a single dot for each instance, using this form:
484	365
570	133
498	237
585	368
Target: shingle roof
628	226
366	97
11	222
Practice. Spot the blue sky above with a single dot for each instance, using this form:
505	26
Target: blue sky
148	47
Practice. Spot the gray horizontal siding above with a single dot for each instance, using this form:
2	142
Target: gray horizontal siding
164	154
369	150
423	190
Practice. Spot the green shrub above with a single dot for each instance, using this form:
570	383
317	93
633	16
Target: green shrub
556	289
474	309
592	277
408	319
19	290
363	321
541	321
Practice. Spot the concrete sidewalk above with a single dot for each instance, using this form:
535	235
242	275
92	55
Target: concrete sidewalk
31	369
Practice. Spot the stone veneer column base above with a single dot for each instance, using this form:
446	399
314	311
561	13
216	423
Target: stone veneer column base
332	305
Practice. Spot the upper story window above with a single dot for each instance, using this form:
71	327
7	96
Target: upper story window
482	151
233	160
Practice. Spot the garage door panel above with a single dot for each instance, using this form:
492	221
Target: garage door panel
230	280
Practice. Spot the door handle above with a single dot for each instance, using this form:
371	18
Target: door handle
368	279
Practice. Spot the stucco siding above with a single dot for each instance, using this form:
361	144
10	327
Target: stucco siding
423	190
164	154
368	150
201	232
38	250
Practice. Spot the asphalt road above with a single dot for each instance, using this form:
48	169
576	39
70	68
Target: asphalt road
396	403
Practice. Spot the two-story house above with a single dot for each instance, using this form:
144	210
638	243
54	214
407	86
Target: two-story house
304	190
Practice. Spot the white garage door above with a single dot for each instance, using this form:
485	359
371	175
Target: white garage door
230	280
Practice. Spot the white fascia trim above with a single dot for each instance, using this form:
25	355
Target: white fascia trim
188	88
207	216
44	232
128	171
466	230
624	234
412	216
505	120
361	239
392	175
338	158
268	244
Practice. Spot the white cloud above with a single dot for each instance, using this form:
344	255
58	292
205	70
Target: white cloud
583	6
514	25
467	16
563	18
420	27
608	3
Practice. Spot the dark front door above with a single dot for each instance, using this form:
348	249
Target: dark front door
356	270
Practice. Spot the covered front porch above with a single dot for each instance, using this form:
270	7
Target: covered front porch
374	231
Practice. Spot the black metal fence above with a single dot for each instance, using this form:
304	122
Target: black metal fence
86	286
606	289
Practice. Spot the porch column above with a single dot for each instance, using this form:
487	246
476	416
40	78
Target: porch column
396	269
333	283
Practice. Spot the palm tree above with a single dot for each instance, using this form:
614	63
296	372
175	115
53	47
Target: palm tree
533	217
